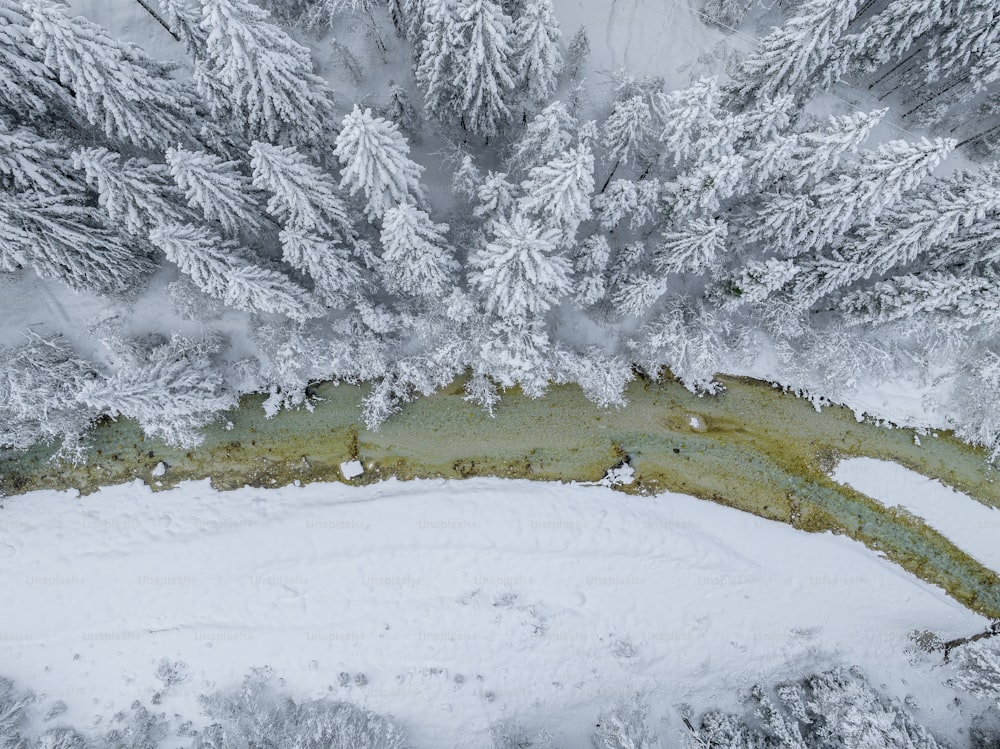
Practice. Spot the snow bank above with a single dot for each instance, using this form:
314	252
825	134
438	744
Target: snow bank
969	524
461	602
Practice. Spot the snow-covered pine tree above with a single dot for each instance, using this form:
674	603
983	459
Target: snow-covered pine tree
416	258
495	196
135	194
183	17
704	187
519	271
558	193
61	236
27	87
117	88
467	178
337	275
927	219
577	54
940	298
172	389
817	153
217	188
637	200
484	78
515	353
219	268
686	116
434	42
856	195
626	131
374	159
302	195
401	111
590	264
875	181
267	76
31	162
548	134
969	42
537	57
697	245
792	58
889	34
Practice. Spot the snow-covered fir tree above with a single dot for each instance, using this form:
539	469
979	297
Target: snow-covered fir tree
62	237
926	220
217	188
303	196
856	194
135	194
696	245
495	196
519	271
416	258
686	116
483	59
28	88
117	88
220	269
549	133
558	193
537	57
626	130
30	162
374	158
433	37
39	382
636	200
266	75
793	58
171	388
337	276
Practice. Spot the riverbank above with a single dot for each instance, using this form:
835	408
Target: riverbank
753	447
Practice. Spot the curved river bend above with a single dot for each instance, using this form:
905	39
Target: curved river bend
753	447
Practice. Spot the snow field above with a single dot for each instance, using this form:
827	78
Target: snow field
461	602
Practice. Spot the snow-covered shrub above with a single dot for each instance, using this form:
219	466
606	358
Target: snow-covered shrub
136	728
253	715
835	709
13	704
506	734
976	403
624	727
690	341
977	667
61	738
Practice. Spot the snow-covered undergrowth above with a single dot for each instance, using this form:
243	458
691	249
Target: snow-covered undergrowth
460	603
972	526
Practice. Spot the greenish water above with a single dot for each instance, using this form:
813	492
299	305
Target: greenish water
753	447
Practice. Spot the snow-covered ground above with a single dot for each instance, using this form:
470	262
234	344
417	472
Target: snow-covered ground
462	602
970	525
